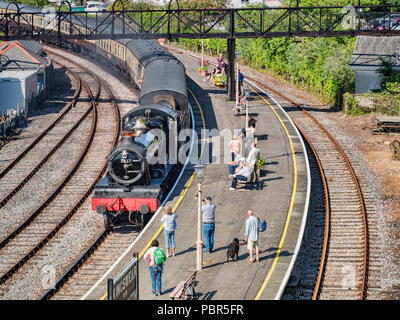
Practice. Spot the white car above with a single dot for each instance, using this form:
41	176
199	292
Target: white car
94	6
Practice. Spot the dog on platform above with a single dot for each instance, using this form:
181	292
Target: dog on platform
233	250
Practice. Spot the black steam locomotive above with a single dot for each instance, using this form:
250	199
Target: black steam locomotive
141	168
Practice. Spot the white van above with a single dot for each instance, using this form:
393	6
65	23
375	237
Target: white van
93	6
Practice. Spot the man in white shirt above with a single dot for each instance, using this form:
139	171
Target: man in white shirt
243	174
251	235
252	159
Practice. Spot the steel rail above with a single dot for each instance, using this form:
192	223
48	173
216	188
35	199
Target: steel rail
363	293
327	214
27	177
44	204
51	126
96	243
38	209
79	262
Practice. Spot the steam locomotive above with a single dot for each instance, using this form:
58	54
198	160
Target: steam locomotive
140	169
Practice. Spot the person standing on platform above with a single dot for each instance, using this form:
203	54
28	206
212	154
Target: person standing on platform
208	215
241	79
154	269
169	220
250	136
252	160
251	235
234	145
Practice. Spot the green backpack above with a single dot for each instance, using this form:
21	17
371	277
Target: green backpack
159	256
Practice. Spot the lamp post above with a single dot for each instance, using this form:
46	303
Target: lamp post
247	93
237	54
202	53
199	169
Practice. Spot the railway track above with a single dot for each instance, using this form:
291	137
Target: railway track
91	265
19	170
20	249
45	133
344	259
31	176
97	257
344	252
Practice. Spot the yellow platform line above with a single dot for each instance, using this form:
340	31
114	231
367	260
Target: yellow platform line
288	217
183	193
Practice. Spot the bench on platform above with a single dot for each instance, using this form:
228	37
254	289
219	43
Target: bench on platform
252	180
185	289
245	182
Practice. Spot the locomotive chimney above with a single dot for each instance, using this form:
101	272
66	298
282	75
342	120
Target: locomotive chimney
127	137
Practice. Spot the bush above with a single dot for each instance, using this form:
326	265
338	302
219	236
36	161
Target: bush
352	107
220	79
380	102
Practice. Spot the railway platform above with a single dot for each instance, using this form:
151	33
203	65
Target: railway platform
280	197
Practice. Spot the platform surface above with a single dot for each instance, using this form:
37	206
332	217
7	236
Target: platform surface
279	198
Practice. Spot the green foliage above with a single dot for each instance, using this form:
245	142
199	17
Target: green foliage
312	3
200	4
260	162
393	87
134	5
351	105
320	65
390	77
220	79
37	3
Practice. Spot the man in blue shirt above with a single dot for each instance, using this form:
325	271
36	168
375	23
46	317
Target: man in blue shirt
208	215
251	235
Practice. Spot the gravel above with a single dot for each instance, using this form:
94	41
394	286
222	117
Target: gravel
51	261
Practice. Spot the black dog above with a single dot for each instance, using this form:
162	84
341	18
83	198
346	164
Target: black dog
233	250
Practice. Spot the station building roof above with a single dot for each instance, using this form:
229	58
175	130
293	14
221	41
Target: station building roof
15	75
22	54
369	50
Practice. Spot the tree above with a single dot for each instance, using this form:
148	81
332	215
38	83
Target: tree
134	5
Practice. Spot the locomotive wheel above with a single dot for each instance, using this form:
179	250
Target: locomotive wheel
136	219
107	221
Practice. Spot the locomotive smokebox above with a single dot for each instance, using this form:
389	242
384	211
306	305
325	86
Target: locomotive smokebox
127	163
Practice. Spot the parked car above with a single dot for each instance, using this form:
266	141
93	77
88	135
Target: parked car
382	23
94	6
104	6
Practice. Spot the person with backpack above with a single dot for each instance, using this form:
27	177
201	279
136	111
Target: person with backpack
155	257
251	235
